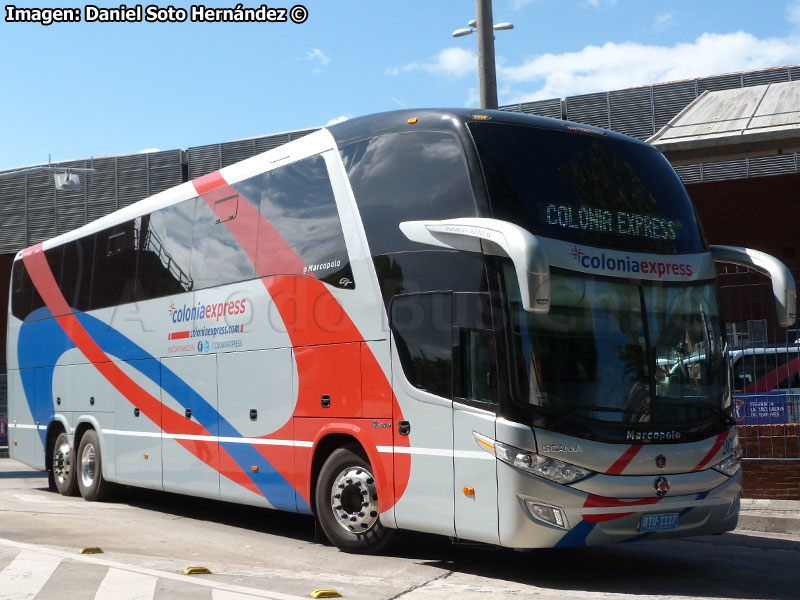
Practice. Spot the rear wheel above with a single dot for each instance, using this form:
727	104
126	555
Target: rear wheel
90	468
347	504
62	468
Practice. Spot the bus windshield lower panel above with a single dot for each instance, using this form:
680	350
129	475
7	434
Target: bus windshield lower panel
618	352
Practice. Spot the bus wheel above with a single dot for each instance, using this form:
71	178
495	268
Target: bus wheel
347	504
63	467
90	468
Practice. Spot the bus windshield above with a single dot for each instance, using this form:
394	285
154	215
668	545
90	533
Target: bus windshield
620	352
590	188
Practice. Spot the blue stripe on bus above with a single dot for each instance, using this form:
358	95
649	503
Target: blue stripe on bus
42	342
576	536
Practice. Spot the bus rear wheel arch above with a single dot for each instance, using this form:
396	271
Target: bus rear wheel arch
346	502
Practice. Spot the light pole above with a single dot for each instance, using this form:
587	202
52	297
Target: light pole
487	76
66	178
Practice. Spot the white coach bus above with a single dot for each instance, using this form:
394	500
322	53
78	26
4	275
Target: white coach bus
490	326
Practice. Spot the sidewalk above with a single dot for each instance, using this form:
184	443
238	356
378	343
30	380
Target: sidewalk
772	516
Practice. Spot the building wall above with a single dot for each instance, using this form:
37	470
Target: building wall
761	213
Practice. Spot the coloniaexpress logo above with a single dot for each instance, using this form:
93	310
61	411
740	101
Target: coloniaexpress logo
199	312
626	265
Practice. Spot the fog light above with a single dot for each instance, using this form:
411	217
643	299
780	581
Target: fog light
547	514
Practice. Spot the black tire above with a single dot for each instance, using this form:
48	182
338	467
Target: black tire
89	469
346	478
63	468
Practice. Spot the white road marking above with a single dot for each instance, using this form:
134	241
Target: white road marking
52	554
26	575
126	585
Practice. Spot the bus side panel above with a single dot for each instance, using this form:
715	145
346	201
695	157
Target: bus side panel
138	435
376	391
256	398
22	436
425	499
330	380
190	425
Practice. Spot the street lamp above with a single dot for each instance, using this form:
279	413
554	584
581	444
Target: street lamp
66	178
487	77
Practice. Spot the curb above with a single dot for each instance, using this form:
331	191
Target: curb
769	523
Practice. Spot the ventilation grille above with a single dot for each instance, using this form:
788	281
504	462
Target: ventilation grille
591	109
632	112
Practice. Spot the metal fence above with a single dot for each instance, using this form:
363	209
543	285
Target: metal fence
765	367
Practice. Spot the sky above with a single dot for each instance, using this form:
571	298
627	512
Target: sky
75	90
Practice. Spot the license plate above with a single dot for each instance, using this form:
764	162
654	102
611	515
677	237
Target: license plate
658	522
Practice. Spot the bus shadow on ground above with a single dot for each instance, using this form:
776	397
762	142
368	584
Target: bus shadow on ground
731	565
258	519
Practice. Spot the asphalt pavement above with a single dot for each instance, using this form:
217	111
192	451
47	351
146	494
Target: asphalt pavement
757	514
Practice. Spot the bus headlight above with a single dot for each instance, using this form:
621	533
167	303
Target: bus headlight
732	464
530	462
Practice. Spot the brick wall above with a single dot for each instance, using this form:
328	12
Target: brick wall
778	477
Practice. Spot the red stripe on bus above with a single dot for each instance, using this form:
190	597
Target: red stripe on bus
714	449
178	335
594	501
618	467
312	316
163	417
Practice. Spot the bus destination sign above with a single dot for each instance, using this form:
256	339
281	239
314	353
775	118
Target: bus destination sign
615	222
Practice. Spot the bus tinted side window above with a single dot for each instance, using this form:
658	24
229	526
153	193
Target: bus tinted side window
297	201
404	177
165	246
114	272
21	290
217	254
422	325
76	273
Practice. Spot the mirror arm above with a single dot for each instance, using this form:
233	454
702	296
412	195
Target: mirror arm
783	286
496	237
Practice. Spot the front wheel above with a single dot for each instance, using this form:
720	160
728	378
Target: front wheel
62	469
347	504
90	468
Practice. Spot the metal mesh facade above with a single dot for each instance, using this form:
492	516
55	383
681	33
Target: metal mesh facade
641	111
31	210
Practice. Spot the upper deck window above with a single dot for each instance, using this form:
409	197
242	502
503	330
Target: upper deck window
404	177
586	188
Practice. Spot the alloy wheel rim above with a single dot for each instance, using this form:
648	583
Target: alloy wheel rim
88	465
354	500
62	463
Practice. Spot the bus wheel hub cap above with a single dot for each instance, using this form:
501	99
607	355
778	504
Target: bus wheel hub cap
354	500
62	462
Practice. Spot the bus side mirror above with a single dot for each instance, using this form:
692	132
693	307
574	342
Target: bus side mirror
500	238
783	287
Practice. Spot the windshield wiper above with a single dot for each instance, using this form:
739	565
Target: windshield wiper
571	412
726	418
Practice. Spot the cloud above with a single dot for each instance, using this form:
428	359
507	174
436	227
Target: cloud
451	62
663	21
317	55
793	13
614	66
597	3
148	150
336	120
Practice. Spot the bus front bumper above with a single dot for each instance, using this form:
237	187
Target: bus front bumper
536	513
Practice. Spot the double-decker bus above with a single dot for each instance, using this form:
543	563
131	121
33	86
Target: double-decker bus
491	326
